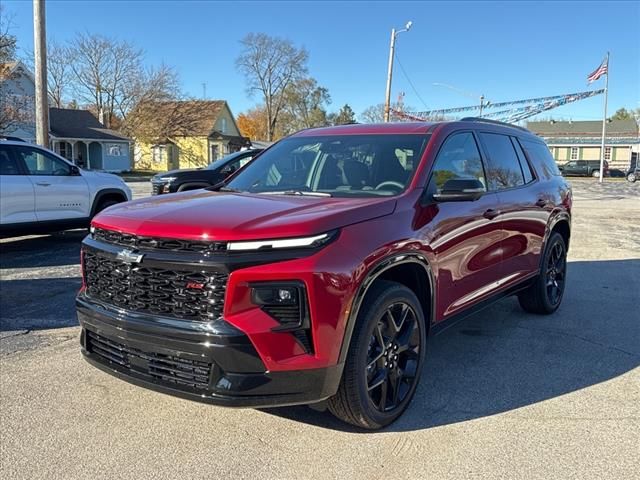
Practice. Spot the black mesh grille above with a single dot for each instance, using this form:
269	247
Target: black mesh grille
149	243
163	368
191	295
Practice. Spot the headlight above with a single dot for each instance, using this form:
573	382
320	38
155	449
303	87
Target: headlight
167	180
301	242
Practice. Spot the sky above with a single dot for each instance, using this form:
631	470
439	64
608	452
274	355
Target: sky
503	50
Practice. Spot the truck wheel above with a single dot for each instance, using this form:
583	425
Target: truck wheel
385	358
595	174
545	295
631	177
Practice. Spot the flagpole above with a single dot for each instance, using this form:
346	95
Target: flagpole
604	120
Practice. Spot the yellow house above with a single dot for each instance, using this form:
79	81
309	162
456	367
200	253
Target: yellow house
188	134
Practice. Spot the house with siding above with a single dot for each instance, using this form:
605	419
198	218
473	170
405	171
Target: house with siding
188	134
74	134
582	140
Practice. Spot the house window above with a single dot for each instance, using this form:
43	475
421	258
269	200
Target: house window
607	153
214	153
114	149
158	153
574	153
223	125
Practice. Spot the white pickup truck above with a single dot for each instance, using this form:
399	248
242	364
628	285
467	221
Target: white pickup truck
41	191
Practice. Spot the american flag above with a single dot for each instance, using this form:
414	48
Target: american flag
598	72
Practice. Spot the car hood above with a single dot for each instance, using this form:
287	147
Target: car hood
173	173
239	216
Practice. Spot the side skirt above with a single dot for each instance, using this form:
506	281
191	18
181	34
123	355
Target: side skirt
50	226
441	326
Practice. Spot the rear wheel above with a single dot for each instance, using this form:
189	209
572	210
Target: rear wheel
631	177
385	358
595	174
545	295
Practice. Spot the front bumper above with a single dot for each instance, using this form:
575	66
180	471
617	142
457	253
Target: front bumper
208	362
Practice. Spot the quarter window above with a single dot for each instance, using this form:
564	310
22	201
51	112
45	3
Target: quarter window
503	166
8	164
39	162
458	159
541	158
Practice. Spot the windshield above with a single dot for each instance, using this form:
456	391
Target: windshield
336	165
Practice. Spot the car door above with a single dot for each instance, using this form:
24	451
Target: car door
465	237
60	194
523	206
582	167
17	197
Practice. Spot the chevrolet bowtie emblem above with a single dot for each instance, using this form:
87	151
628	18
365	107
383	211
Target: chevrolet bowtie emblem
129	256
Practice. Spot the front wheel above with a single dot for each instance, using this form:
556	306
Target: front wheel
545	295
631	177
386	355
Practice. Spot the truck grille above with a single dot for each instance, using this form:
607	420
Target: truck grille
149	243
163	368
185	294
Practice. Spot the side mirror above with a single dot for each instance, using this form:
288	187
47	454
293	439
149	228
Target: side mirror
75	171
460	190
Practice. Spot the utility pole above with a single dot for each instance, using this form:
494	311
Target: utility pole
482	104
40	53
387	100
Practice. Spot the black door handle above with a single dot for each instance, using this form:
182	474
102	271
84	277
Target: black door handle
542	203
491	213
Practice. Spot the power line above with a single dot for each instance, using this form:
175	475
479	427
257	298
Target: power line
409	80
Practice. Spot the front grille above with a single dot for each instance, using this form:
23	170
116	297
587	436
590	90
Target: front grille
185	294
151	243
162	368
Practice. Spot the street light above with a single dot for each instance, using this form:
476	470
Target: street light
387	101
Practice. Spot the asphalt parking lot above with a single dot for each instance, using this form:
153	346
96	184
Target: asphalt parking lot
504	394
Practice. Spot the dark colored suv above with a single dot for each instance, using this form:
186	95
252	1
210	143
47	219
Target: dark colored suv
584	168
318	271
194	178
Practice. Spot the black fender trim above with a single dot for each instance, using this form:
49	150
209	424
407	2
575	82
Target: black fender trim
561	216
104	192
377	270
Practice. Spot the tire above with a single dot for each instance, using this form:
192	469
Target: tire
631	177
595	174
382	357
545	295
105	204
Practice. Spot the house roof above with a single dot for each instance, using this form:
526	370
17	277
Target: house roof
70	123
584	128
9	68
200	115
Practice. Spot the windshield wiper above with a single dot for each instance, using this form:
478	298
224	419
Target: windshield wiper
298	192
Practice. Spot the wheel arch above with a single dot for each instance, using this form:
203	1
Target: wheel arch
104	194
409	269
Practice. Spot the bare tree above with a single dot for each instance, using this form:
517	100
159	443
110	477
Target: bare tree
101	66
58	73
17	105
7	40
270	65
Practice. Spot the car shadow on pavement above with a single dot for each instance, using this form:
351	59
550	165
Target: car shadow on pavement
36	304
42	251
502	359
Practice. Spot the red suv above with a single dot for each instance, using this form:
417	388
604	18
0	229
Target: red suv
319	270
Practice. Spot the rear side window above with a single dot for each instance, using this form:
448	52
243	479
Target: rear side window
8	164
503	166
541	158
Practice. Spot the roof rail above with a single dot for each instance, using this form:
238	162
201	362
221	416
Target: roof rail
494	122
